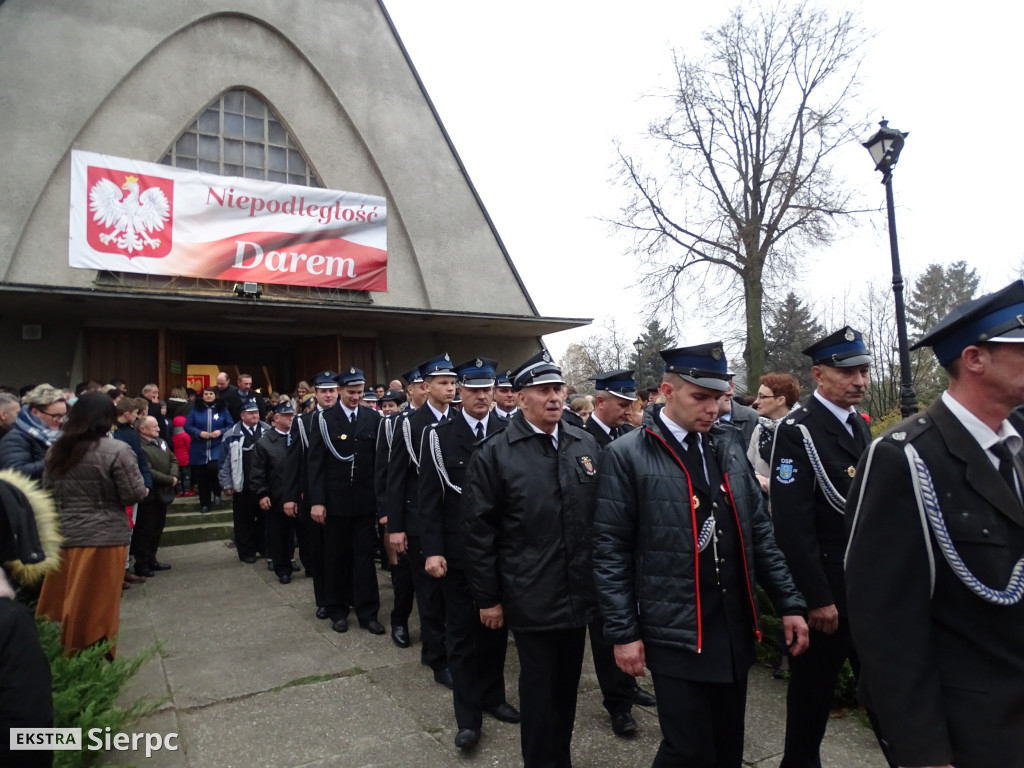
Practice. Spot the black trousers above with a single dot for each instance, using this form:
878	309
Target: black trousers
205	477
149	525
430	602
311	539
701	723
401	583
550	663
616	686
476	654
350	578
249	522
280	530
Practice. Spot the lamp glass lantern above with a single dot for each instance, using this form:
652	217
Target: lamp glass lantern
639	345
885	146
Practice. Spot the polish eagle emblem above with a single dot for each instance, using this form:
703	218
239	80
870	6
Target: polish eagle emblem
134	216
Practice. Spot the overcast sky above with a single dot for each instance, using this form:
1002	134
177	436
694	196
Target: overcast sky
534	94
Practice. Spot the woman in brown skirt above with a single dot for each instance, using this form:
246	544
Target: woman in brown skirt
93	478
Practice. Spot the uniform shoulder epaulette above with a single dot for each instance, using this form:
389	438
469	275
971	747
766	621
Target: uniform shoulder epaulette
908	429
795	416
441	425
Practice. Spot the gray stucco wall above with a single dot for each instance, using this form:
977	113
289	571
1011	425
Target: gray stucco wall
126	78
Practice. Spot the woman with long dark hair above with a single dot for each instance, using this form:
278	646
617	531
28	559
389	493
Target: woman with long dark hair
93	478
206	424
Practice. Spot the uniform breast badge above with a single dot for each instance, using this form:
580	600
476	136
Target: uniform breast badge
696	502
851	471
343	437
786	472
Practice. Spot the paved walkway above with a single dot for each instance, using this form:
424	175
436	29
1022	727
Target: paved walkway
254	679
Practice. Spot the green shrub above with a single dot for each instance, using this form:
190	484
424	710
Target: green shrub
85	689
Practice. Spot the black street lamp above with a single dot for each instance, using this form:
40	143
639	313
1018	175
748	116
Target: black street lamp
639	346
885	147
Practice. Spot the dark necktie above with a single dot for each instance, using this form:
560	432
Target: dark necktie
858	431
443	419
613	433
693	449
479	430
1006	469
353	417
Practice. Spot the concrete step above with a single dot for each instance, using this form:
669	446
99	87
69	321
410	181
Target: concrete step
175	535
197	518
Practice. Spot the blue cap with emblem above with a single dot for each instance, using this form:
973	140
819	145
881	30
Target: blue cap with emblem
250	405
994	317
618	382
413	377
539	369
390	396
438	366
478	372
284	407
704	365
503	379
369	395
843	349
325	380
353	377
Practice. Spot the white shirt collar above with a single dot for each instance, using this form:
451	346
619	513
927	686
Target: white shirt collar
835	410
506	414
539	431
601	424
473	422
677	432
981	432
438	415
349	412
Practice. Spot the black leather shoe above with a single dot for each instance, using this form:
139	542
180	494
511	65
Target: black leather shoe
321	613
467	738
340	625
623	724
160	567
400	636
204	510
373	626
643	698
250	559
504	712
285	578
444	677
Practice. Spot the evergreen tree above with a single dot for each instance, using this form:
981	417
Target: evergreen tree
789	328
650	367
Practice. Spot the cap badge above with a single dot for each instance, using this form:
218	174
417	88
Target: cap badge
351	370
446	357
716	352
849	335
479	363
546	357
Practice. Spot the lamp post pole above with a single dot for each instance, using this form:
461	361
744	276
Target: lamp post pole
638	345
885	147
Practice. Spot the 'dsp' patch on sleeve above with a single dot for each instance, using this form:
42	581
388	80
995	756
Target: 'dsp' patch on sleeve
786	471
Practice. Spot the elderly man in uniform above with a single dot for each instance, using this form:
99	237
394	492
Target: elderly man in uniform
341	456
269	483
398	565
476	654
813	464
296	494
404	523
936	547
616	393
528	508
235	477
676	585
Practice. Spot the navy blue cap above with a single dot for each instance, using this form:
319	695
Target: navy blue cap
457	400
250	405
704	365
438	366
539	369
413	377
503	379
994	317
478	372
307	401
350	378
370	395
325	380
391	396
843	349
284	407
618	382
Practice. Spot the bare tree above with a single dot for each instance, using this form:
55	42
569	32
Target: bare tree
749	142
605	350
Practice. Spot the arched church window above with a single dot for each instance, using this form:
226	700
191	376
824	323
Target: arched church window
239	134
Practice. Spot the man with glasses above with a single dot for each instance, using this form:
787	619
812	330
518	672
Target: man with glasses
35	430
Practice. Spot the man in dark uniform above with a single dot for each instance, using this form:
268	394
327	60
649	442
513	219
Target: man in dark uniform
404	528
296	497
505	402
731	411
529	507
400	569
813	464
616	393
676	586
341	455
476	654
936	544
269	464
235	477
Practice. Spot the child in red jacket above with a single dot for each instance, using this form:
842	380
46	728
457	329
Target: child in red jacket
181	441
